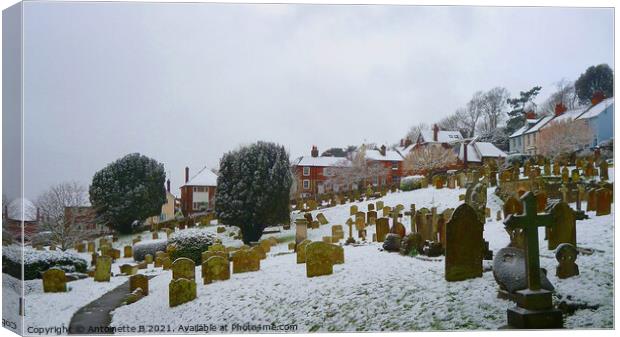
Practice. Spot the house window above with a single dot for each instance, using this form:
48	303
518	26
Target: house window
306	184
375	180
327	171
306	171
394	165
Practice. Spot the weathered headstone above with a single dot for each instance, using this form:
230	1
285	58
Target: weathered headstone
54	281
564	229
352	209
464	243
216	268
322	219
382	228
245	261
566	254
139	281
180	291
127	251
319	259
301	251
183	268
603	202
103	269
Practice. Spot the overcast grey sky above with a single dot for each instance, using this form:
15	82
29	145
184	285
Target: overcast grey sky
184	83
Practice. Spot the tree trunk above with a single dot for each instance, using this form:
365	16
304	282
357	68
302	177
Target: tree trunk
251	233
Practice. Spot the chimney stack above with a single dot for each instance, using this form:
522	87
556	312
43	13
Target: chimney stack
402	142
597	97
530	115
560	109
408	142
315	151
435	133
168	185
186	174
382	150
38	214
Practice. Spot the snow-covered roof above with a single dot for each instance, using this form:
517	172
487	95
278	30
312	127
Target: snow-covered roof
389	155
597	109
541	122
204	177
520	131
14	210
443	136
569	115
476	151
321	161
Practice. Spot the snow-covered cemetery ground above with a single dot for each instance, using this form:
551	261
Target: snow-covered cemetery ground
373	290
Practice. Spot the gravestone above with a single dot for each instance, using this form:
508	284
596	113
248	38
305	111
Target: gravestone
556	169
464	244
513	206
301	230
382	228
216	268
565	175
245	261
510	273
148	258
371	217
398	229
352	209
183	268
564	229
566	254
591	206
371	207
181	291
423	226
319	259
91	247
54	281
301	251
259	252
127	251
337	232
166	263
103	269
541	201
128	269
386	211
321	218
139	281
604	170
603	202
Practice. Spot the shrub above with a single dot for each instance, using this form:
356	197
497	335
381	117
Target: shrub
142	248
190	243
411	183
38	261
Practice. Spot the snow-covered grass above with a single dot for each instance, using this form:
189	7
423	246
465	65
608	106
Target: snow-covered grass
372	290
376	290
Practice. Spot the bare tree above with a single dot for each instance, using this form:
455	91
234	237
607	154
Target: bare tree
52	204
416	130
475	108
359	171
429	159
565	94
563	137
493	104
455	122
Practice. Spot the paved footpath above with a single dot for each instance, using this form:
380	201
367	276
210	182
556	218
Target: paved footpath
95	317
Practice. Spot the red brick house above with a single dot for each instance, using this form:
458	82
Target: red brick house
198	193
13	218
391	160
85	220
313	172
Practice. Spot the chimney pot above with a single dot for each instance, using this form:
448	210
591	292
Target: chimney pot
186	174
315	151
382	150
560	109
597	97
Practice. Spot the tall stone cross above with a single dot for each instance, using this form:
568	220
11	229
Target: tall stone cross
529	223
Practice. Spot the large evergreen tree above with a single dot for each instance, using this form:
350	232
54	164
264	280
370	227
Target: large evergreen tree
598	78
129	189
253	189
519	105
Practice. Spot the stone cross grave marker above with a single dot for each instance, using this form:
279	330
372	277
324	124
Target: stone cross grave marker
534	305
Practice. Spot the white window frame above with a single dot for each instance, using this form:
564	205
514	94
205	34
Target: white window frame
306	171
306	184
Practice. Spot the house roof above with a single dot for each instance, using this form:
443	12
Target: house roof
321	161
528	124
569	115
204	177
389	155
596	110
476	151
443	136
541	122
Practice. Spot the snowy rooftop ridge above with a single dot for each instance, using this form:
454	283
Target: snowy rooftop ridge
321	161
204	177
596	110
390	155
443	136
